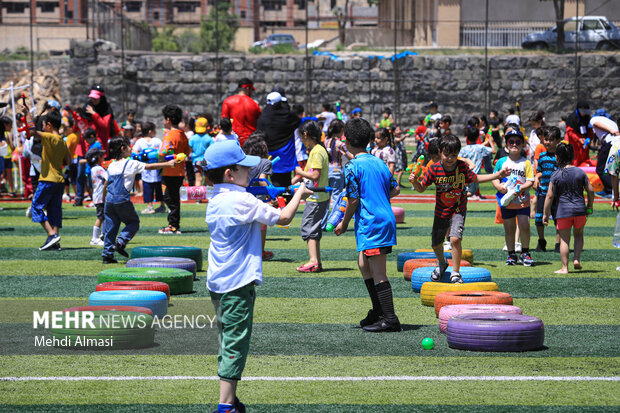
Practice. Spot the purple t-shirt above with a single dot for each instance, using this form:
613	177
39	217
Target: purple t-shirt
568	186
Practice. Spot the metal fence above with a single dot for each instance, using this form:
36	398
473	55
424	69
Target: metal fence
106	23
500	34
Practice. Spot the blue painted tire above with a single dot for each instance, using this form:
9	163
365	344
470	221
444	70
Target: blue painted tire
186	264
469	274
155	300
404	256
193	253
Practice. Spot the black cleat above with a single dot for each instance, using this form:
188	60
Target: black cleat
109	260
541	246
384	326
121	250
371	318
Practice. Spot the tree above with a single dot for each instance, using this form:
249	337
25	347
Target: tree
342	14
164	40
227	27
558	5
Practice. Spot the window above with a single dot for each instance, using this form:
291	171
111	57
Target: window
301	4
14	7
155	15
606	25
133	6
243	14
273	4
186	6
47	6
591	25
570	26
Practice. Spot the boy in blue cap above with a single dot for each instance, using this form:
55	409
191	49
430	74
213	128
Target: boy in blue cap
234	217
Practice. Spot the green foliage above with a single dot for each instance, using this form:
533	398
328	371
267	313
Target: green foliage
189	41
164	40
340	47
277	49
227	26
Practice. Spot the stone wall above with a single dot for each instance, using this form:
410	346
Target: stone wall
456	82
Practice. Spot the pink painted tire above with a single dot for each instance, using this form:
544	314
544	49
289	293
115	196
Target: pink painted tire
449	311
399	213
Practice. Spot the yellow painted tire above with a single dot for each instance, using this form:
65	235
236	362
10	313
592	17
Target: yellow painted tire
430	289
467	255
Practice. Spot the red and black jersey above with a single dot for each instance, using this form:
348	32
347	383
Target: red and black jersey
451	194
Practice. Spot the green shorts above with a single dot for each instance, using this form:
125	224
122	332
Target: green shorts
234	311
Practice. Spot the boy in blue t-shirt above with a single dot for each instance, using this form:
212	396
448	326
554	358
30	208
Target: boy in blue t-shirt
370	185
545	166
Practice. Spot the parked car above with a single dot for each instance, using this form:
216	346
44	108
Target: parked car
276	39
595	32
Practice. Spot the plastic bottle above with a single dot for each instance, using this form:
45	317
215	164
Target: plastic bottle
192	193
616	240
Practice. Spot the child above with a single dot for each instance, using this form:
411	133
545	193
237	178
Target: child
386	119
401	153
370	185
338	158
444	125
545	166
234	217
118	207
565	197
257	146
71	140
384	150
317	171
450	176
419	137
151	178
199	142
226	132
99	179
476	153
519	208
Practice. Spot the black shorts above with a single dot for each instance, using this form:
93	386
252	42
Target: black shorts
100	215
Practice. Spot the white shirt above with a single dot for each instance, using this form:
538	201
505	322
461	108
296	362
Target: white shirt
133	168
533	143
98	177
235	253
608	123
151	175
328	118
513	119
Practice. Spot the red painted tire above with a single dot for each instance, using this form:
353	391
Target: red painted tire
135	285
411	265
449	311
471	297
111	308
399	214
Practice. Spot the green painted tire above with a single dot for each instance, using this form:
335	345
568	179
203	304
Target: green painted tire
110	332
179	281
193	253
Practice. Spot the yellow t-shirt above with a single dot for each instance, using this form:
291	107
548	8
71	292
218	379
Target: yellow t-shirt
318	159
54	153
72	141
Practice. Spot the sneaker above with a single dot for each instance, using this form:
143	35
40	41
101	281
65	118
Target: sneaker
160	209
512	259
517	246
455	278
169	230
556	248
267	255
603	194
78	202
88	198
541	246
91	205
439	270
526	259
148	210
238	405
96	242
51	240
447	246
109	260
383	325
28	213
505	247
371	318
121	250
55	247
66	198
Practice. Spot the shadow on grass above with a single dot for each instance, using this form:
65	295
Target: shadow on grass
339	269
196	231
278	239
7	229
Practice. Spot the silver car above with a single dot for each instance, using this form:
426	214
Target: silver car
595	32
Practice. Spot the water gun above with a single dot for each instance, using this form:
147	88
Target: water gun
417	168
427	118
489	134
521	122
151	155
512	188
337	213
338	113
586	143
273	192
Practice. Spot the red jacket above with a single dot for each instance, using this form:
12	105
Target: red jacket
577	140
102	126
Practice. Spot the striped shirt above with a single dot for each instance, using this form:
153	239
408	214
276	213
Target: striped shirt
546	165
451	196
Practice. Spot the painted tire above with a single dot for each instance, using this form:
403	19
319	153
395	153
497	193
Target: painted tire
121	334
469	275
406	256
135	285
411	265
495	332
471	297
466	254
170	251
399	214
129	308
155	300
186	264
449	311
179	281
429	290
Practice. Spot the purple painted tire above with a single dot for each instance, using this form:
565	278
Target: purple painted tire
495	332
186	264
449	311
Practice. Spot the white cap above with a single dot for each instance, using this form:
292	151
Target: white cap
275	97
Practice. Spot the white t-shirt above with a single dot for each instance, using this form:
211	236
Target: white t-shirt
328	117
98	177
224	137
234	217
534	142
133	168
151	175
513	119
607	123
386	154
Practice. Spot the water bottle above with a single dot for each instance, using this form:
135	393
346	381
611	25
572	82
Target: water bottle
617	233
192	193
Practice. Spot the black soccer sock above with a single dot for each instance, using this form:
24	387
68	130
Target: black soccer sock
525	250
511	252
372	292
384	291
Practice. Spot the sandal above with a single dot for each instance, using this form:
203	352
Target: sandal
310	268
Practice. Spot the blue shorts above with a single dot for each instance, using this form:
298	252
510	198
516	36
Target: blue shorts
48	198
511	213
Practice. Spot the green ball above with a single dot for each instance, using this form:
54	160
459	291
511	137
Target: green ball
428	343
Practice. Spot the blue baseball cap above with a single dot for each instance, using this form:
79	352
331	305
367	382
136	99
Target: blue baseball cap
226	153
53	104
356	110
514	133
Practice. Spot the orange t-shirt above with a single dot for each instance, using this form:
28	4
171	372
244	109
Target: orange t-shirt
176	140
540	148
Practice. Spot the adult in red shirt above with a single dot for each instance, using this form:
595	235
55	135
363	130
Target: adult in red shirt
175	141
243	110
102	116
577	130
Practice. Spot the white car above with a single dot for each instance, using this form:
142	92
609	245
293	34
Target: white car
595	32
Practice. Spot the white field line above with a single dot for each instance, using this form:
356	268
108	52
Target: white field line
327	379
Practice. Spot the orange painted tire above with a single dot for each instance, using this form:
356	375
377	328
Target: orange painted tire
471	297
411	265
399	214
466	254
135	285
132	308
